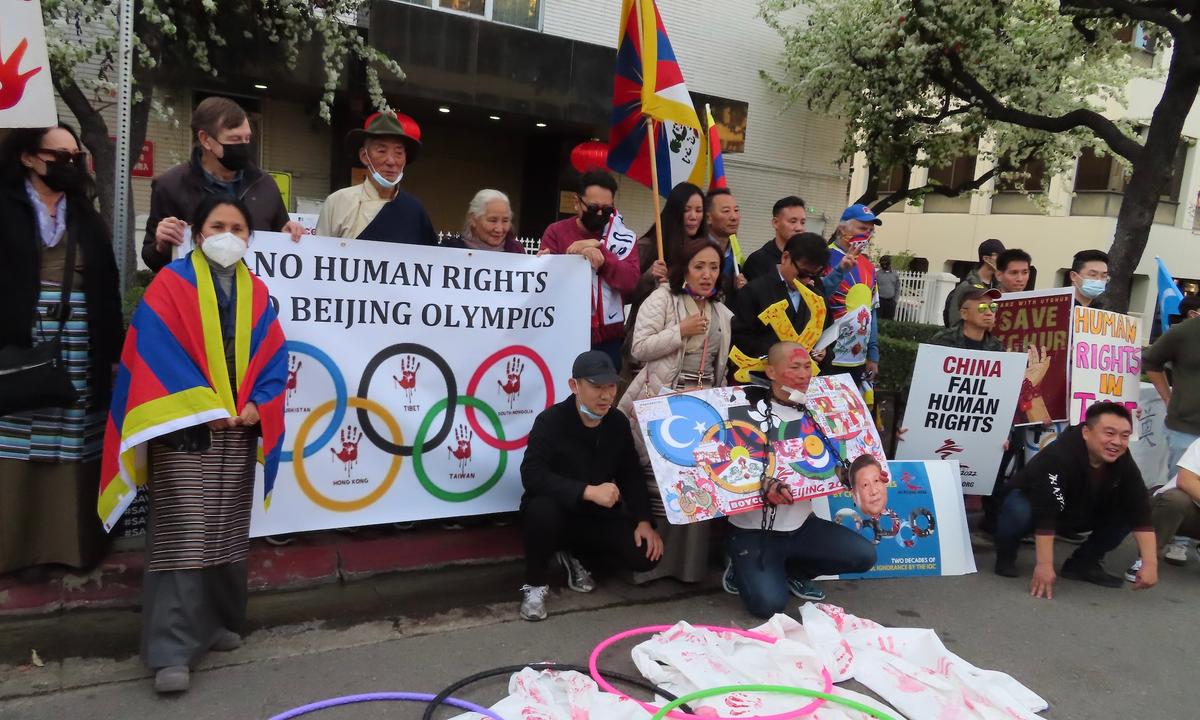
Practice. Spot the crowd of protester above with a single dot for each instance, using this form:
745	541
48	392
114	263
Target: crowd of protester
660	324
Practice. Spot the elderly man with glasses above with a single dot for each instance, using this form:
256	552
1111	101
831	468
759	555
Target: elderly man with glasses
977	316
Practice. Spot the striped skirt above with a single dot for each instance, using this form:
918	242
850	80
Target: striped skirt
200	502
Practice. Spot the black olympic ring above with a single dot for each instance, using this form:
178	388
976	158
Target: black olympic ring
894	528
930	523
364	419
437	702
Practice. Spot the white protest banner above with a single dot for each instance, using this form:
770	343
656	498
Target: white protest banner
920	527
415	374
1149	448
26	92
709	448
960	407
1106	360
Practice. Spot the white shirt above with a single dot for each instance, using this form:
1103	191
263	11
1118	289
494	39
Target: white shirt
787	517
347	212
1189	461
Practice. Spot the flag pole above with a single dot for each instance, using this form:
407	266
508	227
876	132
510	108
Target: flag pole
654	188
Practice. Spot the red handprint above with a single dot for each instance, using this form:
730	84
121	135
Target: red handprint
512	386
408	376
463	436
742	704
350	438
12	80
294	365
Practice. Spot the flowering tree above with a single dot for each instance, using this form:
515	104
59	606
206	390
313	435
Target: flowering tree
83	42
920	81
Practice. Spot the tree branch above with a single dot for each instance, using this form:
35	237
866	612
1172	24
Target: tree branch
1144	12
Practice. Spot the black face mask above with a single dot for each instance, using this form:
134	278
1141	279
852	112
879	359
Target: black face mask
236	157
63	176
595	221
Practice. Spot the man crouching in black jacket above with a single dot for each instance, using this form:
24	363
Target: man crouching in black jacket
585	492
1084	480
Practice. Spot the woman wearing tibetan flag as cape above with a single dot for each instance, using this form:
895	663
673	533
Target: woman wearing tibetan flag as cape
201	380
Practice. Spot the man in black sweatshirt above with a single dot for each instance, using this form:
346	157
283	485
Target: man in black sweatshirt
585	492
1084	480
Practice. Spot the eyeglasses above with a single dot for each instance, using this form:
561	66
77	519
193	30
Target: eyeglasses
988	307
595	208
63	156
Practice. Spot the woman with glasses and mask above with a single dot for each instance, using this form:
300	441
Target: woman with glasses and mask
199	395
53	237
681	338
804	259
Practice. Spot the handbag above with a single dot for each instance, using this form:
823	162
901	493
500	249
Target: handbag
36	377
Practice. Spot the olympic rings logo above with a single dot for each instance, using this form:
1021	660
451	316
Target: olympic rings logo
425	440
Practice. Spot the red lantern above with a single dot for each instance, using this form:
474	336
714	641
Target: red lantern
589	155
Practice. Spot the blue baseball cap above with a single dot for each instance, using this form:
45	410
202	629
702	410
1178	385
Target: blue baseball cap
861	213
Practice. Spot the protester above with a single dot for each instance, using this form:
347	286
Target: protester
682	219
220	166
976	318
49	457
1178	349
488	225
889	288
804	259
614	262
376	208
198	317
724	219
983	277
780	550
788	217
851	278
1012	270
1176	511
584	490
1089	275
1084	480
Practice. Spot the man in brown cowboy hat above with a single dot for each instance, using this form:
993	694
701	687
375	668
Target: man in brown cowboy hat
386	144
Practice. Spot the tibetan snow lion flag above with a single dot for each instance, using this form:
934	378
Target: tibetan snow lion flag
174	375
648	88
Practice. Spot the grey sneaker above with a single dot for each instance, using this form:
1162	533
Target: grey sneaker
227	642
533	602
172	679
1176	552
728	579
578	577
805	589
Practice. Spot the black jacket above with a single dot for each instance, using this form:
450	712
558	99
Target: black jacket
402	220
20	265
762	262
564	456
750	335
178	192
1062	495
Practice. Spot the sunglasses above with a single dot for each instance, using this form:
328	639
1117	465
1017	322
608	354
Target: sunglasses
988	307
806	275
594	208
62	156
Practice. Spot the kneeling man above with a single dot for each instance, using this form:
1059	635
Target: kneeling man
781	549
585	492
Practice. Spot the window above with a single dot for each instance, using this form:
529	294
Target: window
522	13
891	181
1098	172
1035	171
957	173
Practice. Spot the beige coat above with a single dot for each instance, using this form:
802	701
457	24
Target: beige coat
659	347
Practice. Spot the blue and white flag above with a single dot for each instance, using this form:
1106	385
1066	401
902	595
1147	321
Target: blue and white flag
1169	295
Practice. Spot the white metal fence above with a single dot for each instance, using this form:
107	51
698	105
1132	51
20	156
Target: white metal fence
531	244
922	296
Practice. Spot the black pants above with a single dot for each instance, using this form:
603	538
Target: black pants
547	527
887	308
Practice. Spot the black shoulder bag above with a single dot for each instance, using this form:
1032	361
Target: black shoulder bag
32	378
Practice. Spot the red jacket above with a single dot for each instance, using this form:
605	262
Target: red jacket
621	275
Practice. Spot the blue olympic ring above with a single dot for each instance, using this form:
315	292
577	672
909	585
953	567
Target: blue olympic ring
340	395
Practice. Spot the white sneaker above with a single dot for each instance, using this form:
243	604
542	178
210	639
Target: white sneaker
1176	553
533	602
578	577
1134	569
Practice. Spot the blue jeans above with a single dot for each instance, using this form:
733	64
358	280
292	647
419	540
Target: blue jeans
763	560
1016	521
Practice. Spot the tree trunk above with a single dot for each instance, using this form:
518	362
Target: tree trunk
1147	182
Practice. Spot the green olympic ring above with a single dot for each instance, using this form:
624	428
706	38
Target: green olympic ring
418	451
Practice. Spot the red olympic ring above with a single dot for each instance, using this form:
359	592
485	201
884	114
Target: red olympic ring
547	377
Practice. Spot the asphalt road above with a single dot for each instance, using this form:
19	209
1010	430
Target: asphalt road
1091	652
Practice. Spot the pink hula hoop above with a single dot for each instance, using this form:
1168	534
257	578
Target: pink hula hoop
594	659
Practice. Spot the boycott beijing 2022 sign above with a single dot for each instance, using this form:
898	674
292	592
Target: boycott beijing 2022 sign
415	374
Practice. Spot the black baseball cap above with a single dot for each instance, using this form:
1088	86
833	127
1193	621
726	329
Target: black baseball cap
596	367
991	246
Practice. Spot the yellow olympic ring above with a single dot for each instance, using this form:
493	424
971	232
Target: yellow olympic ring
302	474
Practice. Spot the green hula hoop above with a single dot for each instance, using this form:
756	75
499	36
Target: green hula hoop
779	689
419	466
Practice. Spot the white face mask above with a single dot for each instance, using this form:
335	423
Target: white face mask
796	397
383	182
224	249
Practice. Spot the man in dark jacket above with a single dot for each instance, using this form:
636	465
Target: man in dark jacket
585	491
804	258
220	165
983	277
1084	480
976	317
